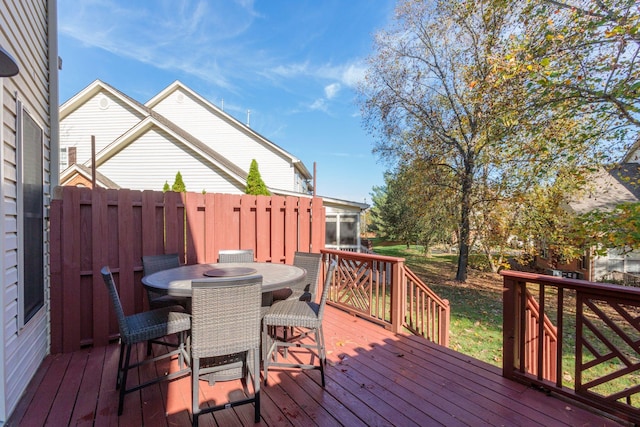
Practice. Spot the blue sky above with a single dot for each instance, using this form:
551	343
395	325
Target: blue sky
293	63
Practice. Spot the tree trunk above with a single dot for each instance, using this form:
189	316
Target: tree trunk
465	223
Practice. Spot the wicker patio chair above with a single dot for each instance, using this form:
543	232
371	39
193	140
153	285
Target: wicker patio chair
154	263
305	315
244	255
306	289
225	335
241	255
141	327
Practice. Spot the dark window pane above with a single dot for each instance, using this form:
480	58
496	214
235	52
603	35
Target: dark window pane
331	234
348	231
33	217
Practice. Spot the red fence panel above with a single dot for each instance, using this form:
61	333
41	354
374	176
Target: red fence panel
94	228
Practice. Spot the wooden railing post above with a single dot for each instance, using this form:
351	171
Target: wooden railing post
509	305
443	321
398	296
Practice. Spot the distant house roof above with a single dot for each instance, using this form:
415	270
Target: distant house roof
74	171
633	155
151	118
609	188
226	117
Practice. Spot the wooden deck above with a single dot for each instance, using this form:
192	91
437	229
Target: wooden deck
374	378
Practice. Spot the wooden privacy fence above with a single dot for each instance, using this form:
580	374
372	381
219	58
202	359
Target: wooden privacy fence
93	228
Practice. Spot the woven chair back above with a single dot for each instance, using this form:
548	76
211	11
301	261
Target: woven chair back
325	289
241	255
115	299
154	263
311	263
225	315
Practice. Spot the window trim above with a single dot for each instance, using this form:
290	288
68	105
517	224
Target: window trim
21	110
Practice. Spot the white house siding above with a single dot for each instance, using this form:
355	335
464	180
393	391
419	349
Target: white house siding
164	157
104	116
634	157
616	261
23	33
228	139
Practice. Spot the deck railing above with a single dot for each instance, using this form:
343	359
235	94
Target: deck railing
382	289
598	340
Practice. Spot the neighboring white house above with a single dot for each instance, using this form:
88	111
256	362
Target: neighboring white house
607	188
143	146
611	187
29	169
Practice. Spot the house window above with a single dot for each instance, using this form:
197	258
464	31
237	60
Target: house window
30	218
348	230
583	261
331	231
64	158
342	230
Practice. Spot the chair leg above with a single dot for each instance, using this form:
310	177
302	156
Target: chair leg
119	376
123	384
149	347
256	384
181	339
321	354
195	397
266	352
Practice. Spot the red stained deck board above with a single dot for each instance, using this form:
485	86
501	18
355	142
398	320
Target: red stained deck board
373	378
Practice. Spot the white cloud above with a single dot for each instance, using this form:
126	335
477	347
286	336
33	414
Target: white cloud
332	90
346	74
320	104
190	36
213	40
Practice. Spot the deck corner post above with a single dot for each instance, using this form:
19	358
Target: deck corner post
398	297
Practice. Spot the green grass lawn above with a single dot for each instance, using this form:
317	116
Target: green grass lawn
476	307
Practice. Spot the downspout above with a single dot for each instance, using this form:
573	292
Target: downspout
54	139
54	108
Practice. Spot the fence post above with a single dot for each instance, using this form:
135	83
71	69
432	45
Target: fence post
398	296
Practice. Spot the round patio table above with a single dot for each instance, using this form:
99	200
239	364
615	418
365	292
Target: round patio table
177	281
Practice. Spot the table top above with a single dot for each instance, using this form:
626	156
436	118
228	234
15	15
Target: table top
177	281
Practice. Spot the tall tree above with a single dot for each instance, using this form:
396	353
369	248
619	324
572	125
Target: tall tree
255	184
429	95
581	60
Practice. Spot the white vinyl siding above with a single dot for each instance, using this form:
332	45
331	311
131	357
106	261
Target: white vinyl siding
23	33
163	157
228	138
104	116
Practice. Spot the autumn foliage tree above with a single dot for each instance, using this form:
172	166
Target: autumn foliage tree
499	99
581	58
431	94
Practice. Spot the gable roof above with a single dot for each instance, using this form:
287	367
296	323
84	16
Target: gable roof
633	153
609	188
151	118
96	87
85	171
156	120
177	85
